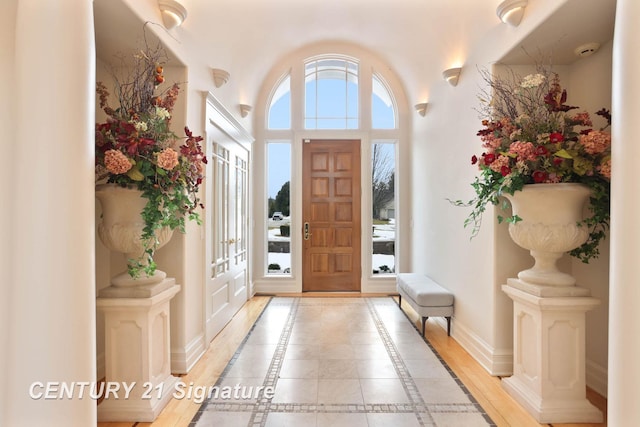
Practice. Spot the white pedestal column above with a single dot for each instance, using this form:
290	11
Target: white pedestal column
549	356
137	355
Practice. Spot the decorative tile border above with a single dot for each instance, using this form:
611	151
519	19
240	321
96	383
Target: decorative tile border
420	409
263	406
476	406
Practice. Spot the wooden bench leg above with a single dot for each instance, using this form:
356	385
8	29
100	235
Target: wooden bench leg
400	301
424	320
448	326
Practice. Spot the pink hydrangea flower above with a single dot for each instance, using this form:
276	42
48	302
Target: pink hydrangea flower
583	118
605	168
523	150
500	163
491	142
116	162
596	141
168	159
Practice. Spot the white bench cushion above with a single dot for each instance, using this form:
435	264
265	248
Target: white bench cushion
424	291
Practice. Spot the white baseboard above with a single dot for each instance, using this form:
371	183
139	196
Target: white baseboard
379	287
276	287
283	287
597	377
182	360
498	362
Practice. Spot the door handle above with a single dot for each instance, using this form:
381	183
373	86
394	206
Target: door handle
306	231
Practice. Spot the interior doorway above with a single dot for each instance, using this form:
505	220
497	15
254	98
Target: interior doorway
331	230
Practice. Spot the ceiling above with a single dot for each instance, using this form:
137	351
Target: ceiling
418	38
594	20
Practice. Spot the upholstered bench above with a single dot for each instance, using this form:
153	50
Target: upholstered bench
426	297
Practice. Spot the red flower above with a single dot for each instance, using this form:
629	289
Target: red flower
474	159
555	100
556	137
505	170
489	158
541	150
557	161
539	176
134	146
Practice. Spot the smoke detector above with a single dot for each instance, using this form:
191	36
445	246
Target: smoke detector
586	49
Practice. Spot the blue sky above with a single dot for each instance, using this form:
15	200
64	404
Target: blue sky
332	102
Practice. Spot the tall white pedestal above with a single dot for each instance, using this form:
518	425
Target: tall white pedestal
137	353
549	355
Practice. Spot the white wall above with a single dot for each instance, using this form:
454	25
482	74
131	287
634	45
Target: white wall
590	88
441	248
474	270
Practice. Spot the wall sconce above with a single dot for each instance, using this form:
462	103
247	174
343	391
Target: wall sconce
421	108
220	76
244	109
511	11
173	13
452	75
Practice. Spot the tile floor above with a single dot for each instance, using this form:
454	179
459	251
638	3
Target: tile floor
338	362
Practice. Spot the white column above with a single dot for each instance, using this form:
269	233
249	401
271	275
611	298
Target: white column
624	288
52	331
7	124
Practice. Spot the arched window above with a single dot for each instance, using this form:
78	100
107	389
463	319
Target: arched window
383	111
326	97
331	94
279	115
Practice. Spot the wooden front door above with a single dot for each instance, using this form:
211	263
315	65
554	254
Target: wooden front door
331	215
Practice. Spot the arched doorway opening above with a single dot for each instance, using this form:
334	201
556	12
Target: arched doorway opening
329	92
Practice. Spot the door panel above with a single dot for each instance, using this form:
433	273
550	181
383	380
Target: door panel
227	231
331	208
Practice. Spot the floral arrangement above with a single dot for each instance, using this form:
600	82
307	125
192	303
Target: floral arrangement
136	148
533	137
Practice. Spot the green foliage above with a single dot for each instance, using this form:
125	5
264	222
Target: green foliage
282	201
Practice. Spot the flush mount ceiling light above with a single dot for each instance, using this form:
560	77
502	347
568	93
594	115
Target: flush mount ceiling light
452	75
421	108
511	11
173	13
220	76
244	109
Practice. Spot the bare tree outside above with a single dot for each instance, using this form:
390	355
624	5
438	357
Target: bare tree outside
383	166
382	178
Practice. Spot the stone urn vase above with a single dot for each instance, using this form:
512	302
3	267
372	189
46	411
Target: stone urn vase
549	227
121	231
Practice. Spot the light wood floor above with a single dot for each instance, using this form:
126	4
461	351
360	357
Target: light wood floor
486	389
